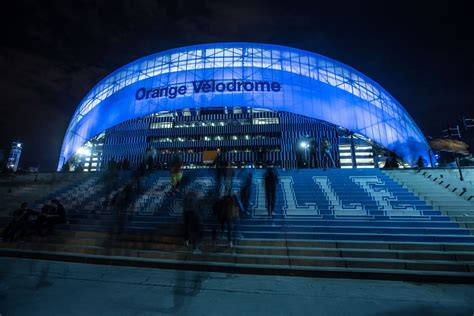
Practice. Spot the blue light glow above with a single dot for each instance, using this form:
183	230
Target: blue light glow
300	82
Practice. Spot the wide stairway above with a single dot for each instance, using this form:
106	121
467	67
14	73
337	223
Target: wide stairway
450	179
357	223
15	189
443	190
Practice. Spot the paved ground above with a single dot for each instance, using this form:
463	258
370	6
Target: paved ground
33	287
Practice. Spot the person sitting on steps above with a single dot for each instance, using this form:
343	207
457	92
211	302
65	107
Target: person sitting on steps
17	227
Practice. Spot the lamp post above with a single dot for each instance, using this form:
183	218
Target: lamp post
431	160
36	176
459	168
304	145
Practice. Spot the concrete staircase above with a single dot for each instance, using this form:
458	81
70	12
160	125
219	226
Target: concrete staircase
334	223
424	185
440	262
15	189
450	179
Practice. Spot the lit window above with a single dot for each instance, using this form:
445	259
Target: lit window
266	120
363	147
365	160
161	125
346	160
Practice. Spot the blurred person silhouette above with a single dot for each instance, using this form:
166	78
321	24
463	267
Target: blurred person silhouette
313	153
271	179
39	223
220	171
391	162
328	161
226	213
229	177
192	220
56	216
18	224
176	173
245	192
52	214
420	163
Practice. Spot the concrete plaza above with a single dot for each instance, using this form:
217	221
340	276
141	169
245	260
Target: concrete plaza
35	287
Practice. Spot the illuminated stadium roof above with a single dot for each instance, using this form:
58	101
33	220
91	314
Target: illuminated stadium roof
251	75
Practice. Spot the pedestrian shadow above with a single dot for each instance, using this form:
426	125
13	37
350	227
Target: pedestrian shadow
43	281
185	288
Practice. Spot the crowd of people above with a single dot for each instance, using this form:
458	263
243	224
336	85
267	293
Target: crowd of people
27	221
228	204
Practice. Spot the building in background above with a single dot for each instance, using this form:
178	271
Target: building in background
253	103
14	156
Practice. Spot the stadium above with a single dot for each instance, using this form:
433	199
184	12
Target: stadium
253	103
257	106
236	158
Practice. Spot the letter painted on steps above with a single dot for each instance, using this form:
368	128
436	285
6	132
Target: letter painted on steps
351	209
201	186
291	206
259	204
151	200
384	198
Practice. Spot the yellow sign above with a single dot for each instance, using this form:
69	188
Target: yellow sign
209	156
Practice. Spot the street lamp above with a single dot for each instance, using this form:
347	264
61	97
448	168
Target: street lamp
304	145
84	152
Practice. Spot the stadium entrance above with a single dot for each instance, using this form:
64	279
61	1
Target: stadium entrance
242	137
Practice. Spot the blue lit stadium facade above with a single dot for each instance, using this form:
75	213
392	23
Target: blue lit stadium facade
138	108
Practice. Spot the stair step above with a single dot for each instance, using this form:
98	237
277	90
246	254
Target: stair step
350	262
335	250
295	270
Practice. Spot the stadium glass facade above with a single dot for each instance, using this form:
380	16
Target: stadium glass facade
244	137
231	77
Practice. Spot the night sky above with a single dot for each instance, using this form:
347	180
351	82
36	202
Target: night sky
53	52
